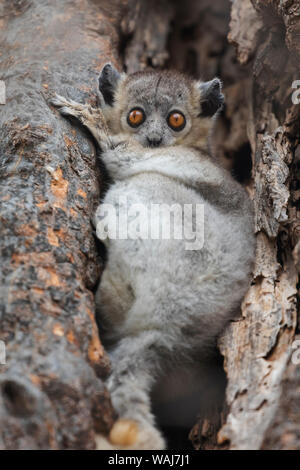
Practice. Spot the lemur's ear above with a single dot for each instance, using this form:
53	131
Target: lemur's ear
211	98
108	80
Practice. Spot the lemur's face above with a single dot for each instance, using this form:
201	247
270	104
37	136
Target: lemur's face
157	111
159	108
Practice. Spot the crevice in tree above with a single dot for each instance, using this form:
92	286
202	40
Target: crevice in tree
242	163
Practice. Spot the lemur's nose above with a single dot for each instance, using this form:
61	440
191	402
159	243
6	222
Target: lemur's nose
154	142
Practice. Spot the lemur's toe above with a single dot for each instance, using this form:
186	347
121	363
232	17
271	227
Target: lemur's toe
66	111
124	432
58	101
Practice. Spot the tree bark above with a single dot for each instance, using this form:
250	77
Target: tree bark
258	347
52	395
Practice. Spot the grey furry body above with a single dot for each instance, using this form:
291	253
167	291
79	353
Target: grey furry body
161	305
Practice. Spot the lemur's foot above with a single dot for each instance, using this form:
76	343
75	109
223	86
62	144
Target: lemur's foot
127	434
91	118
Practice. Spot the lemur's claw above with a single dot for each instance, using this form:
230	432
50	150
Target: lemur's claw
64	107
58	101
67	107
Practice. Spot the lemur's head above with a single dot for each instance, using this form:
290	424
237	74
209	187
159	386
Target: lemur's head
159	108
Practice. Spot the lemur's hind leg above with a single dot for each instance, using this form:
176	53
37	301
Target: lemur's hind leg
91	118
135	361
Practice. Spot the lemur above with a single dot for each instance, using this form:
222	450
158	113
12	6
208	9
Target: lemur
160	304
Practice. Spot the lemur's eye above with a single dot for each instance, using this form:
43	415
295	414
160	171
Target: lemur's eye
136	117
176	120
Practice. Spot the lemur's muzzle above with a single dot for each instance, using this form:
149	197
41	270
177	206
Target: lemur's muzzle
154	142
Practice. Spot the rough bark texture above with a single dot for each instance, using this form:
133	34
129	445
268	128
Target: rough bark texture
50	186
258	347
259	121
51	395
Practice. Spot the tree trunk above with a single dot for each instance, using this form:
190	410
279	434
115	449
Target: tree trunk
52	395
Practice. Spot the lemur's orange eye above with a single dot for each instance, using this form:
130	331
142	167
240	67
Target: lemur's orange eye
136	117
176	120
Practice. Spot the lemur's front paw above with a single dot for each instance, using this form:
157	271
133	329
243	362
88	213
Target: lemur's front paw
91	118
65	107
127	434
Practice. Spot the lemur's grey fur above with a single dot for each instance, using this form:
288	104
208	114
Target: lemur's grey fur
159	303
